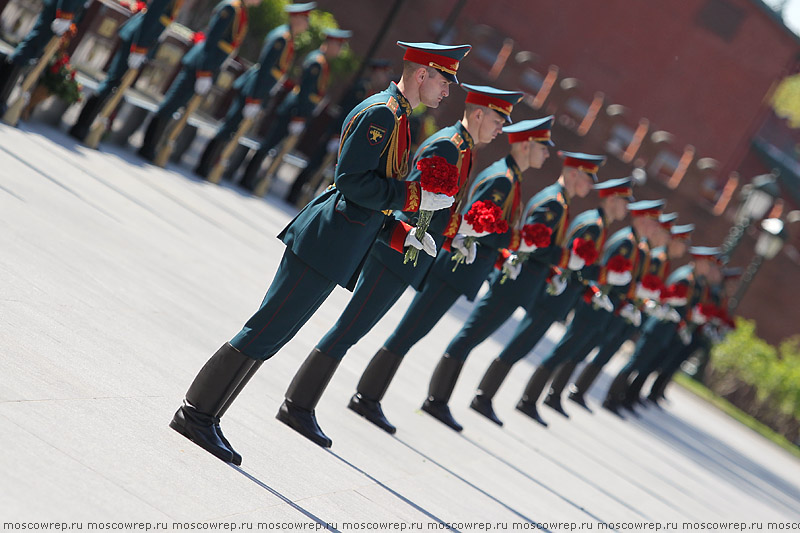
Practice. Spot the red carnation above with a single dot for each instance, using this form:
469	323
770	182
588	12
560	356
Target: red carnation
486	217
586	250
537	235
438	176
709	310
619	264
651	282
677	291
198	37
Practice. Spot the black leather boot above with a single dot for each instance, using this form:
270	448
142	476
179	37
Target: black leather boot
372	386
441	388
197	418
659	386
9	74
152	136
252	173
91	108
580	387
305	390
557	385
237	458
631	398
616	391
487	388
209	157
532	392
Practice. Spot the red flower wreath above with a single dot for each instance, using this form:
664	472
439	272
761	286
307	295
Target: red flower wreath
486	216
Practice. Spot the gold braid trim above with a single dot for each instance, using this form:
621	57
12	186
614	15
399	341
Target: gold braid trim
393	170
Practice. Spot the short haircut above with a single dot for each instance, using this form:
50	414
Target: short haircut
409	67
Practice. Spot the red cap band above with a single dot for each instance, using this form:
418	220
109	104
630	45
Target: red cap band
485	100
532	135
436	61
615	191
581	165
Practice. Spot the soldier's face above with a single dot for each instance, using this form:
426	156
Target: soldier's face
616	207
434	88
298	23
491	125
660	236
714	273
676	248
334	47
583	184
538	154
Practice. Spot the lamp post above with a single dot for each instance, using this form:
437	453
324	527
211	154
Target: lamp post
769	244
757	198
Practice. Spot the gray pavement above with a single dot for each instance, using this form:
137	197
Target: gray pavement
118	280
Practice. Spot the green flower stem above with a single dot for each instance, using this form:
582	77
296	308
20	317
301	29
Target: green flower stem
412	254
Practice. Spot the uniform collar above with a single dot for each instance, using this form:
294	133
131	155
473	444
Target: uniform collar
514	167
394	90
602	214
465	134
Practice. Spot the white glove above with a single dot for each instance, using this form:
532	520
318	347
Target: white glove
333	145
512	267
467	230
575	262
671	314
676	302
653	309
427	244
698	317
618	278
603	302
434	201
632	314
685	335
468	252
202	85
646	294
136	60
59	26
527	248
557	285
250	111
296	127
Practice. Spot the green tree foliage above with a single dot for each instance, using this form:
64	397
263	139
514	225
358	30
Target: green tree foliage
786	100
759	378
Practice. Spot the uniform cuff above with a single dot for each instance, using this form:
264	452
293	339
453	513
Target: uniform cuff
516	238
398	240
252	101
501	258
413	196
203	74
64	15
447	245
138	49
452	225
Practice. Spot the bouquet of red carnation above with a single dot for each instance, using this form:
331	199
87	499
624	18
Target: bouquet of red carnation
135	7
702	313
584	250
439	177
59	79
649	288
484	216
538	235
618	270
198	37
675	295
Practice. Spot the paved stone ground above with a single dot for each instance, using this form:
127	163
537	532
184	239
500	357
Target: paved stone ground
118	280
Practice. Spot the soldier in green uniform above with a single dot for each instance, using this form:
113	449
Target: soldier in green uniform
661	324
548	207
201	64
326	245
378	75
676	353
254	87
386	274
594	312
689	286
620	328
137	38
553	305
298	106
55	18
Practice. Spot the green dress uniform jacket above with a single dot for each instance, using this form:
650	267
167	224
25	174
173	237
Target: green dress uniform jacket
143	29
336	230
226	30
313	85
273	63
32	46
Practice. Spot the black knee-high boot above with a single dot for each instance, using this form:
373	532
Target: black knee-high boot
492	379
372	386
152	136
209	157
441	388
581	386
557	385
91	108
532	392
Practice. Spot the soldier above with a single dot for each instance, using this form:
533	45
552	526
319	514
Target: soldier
327	243
386	275
293	112
201	64
591	225
661	326
378	76
655	266
549	207
137	37
688	287
594	312
55	18
256	86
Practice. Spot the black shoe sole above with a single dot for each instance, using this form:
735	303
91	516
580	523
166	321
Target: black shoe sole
535	416
228	458
452	424
490	416
356	408
289	421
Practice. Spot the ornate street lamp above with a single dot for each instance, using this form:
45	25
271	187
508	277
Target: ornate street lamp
770	242
757	198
